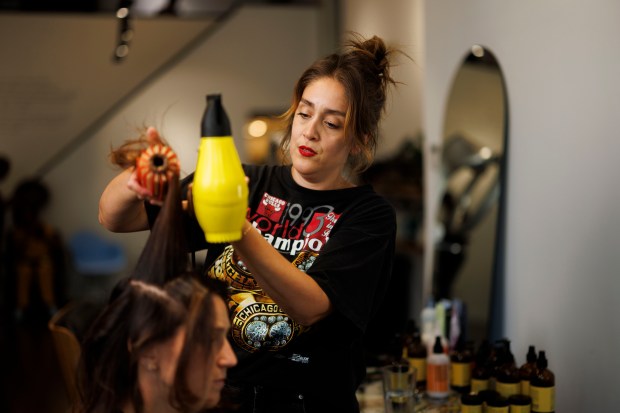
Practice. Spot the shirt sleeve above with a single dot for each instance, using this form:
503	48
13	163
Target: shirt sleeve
355	266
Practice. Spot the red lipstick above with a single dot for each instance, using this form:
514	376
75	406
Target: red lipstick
305	151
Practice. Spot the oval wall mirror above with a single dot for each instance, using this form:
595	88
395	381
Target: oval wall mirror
473	150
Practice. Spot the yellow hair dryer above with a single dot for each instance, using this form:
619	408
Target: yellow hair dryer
220	192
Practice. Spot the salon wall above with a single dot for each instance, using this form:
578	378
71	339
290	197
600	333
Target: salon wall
562	228
400	24
561	66
253	60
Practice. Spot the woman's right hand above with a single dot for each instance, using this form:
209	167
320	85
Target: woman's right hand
143	193
120	206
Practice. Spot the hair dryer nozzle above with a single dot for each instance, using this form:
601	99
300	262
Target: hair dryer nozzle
215	120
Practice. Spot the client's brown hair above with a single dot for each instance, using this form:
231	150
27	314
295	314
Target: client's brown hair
165	255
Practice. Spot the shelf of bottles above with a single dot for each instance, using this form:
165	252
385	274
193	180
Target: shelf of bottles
457	375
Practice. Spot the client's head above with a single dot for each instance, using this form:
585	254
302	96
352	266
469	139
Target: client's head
157	348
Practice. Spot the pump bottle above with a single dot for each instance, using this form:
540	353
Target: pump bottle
460	367
542	387
220	193
507	377
482	371
416	352
527	369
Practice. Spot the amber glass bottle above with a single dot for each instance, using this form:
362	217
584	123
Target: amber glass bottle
542	387
497	404
481	373
471	403
507	377
520	403
497	357
410	329
527	369
460	368
417	353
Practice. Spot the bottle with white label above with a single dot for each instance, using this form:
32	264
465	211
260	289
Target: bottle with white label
438	372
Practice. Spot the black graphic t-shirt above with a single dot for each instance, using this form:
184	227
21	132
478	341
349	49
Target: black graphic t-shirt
343	239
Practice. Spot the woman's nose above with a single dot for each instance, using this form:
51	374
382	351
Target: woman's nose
311	131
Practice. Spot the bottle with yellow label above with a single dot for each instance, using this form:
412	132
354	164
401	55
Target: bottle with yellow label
460	367
520	403
471	403
497	404
416	353
507	377
481	373
219	191
542	387
527	369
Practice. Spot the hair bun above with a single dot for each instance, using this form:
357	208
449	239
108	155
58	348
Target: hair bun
375	50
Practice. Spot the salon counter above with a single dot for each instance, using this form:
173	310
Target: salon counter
370	396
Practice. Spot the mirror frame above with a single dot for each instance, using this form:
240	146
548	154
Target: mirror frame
495	314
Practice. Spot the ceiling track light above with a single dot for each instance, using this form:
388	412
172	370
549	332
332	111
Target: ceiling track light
125	30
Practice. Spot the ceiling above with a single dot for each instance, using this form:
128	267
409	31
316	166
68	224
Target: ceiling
140	8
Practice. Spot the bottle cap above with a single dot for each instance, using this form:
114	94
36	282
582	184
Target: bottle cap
488	394
437	348
531	354
541	363
498	401
472	399
520	400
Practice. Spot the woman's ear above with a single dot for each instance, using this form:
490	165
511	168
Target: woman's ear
357	144
149	362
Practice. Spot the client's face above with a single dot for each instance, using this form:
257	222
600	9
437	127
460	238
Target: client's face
169	352
207	375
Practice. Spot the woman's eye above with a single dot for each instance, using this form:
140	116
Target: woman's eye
331	125
303	115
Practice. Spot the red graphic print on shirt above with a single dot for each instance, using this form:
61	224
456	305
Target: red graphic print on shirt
271	207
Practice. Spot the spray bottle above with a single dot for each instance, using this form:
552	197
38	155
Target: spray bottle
220	193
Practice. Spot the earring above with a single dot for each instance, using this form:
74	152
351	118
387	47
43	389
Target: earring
151	365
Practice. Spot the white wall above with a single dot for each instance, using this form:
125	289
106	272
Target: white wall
561	68
253	61
400	24
561	65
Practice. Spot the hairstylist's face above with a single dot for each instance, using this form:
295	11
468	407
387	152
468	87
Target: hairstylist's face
319	148
222	357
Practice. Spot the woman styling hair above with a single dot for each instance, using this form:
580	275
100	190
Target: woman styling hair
316	254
